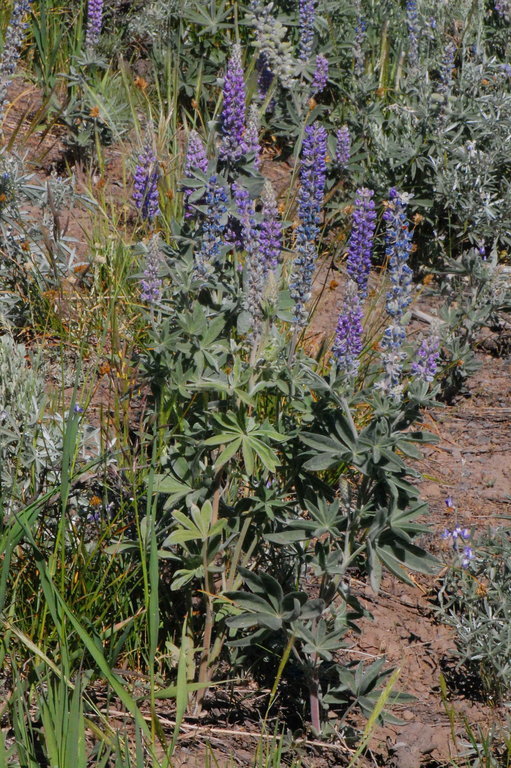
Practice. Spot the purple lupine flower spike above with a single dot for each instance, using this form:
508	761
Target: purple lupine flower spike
232	120
213	228
14	36
196	160
151	283
306	19
360	36
360	243
94	23
348	335
412	21
255	266
425	365
264	77
503	9
398	240
320	78
343	147
145	192
270	230
251	143
310	200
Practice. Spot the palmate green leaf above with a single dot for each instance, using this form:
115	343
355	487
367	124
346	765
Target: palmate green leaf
228	452
400	555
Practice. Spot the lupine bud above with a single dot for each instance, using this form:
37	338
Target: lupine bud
360	243
232	121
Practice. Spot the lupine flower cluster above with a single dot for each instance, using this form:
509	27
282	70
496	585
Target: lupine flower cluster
425	365
145	192
459	536
196	160
412	21
306	19
94	23
503	9
348	335
343	147
320	77
360	242
213	228
151	283
255	267
275	52
446	69
270	231
360	36
12	47
232	121
310	200
251	143
264	77
398	239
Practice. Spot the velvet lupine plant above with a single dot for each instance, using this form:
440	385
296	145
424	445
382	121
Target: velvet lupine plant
145	185
360	242
306	21
343	147
270	230
310	200
232	119
398	244
320	77
14	36
213	228
196	160
348	335
94	23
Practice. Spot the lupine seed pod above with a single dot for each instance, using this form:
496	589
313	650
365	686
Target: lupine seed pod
151	283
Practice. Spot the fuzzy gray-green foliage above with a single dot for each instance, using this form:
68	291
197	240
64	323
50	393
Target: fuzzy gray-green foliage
28	446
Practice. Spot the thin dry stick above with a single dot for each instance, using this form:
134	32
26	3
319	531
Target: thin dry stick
206	729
